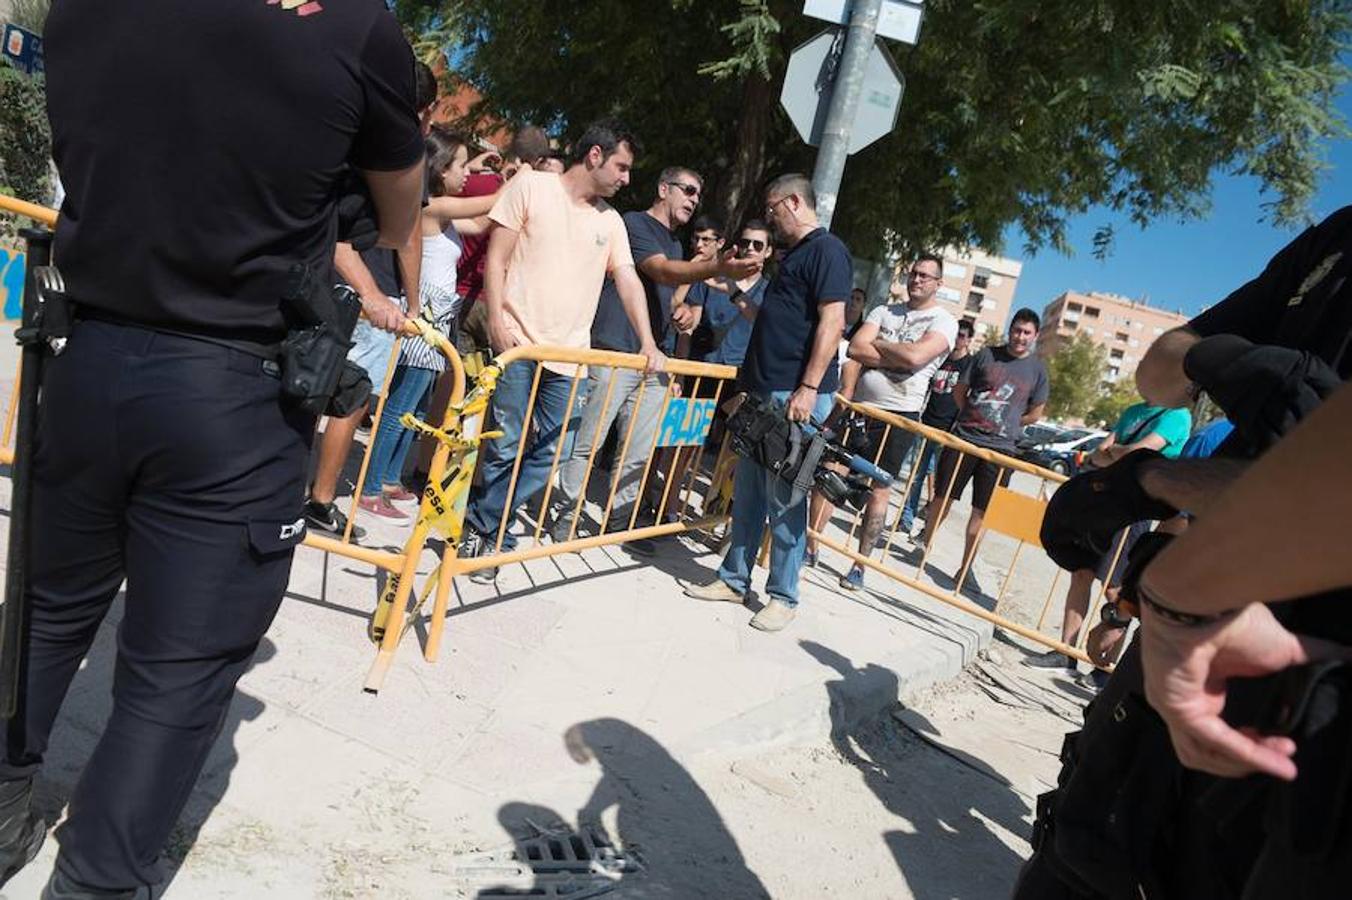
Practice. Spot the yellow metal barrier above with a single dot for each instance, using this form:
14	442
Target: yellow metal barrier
28	210
447	495
1013	513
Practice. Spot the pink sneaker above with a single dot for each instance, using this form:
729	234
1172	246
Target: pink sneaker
398	493
382	507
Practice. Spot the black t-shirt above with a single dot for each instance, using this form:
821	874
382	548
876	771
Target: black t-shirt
200	145
384	268
1302	300
1001	388
611	329
384	264
814	271
941	410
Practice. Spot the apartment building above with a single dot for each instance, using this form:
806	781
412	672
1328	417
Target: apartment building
1125	327
980	287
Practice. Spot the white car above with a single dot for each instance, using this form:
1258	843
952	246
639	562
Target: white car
1065	454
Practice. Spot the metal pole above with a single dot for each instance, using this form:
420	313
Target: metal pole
13	631
845	93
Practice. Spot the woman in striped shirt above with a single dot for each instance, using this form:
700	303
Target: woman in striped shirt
445	218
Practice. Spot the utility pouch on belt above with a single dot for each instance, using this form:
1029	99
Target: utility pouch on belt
314	354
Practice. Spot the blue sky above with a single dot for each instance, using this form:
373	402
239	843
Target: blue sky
1179	266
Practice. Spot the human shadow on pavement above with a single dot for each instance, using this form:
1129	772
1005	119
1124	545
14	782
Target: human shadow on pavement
667	828
81	722
946	848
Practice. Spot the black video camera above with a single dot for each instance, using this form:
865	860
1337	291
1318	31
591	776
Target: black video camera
798	452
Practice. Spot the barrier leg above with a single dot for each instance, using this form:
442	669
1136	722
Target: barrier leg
371	439
437	627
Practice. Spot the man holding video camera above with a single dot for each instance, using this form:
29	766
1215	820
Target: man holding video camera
791	361
167	454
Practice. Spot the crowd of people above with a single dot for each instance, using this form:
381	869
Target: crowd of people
524	248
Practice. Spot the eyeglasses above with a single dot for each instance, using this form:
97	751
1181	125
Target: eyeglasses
689	190
751	244
921	276
771	204
707	238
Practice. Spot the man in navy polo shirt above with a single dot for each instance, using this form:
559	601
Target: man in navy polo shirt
792	361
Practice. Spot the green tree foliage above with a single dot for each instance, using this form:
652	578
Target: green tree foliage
1016	111
1076	372
25	136
30	14
430	30
1112	402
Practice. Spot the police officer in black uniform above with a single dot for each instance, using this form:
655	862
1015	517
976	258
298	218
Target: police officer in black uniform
1181	806
201	147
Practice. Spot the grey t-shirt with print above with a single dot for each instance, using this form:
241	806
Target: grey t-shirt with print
904	390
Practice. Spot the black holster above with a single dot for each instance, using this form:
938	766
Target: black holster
316	374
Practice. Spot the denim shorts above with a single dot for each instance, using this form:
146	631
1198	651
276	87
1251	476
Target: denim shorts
371	350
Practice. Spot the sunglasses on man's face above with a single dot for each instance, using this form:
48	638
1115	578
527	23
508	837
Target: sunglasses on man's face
753	244
688	189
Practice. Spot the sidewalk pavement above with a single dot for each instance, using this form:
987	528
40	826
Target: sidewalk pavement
307	756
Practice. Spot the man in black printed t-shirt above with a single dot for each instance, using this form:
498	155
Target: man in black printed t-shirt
1004	389
166	454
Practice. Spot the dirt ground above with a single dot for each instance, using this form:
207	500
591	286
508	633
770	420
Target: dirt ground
931	800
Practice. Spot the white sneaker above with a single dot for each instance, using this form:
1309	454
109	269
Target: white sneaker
718	589
774	616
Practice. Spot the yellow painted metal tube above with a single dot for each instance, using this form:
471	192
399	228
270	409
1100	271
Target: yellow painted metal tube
948	440
957	602
383	559
34	211
407	573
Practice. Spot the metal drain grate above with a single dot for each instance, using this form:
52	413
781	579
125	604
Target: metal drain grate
558	863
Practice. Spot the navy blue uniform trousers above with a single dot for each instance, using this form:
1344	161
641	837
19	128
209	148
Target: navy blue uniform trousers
174	464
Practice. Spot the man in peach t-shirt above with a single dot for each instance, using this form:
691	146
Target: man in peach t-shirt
555	242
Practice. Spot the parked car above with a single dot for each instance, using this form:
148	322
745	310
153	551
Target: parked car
1037	434
1065	453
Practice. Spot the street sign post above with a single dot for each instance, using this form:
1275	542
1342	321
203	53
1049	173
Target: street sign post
810	79
23	49
897	19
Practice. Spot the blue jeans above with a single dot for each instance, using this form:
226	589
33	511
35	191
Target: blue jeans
487	506
928	459
758	497
409	392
